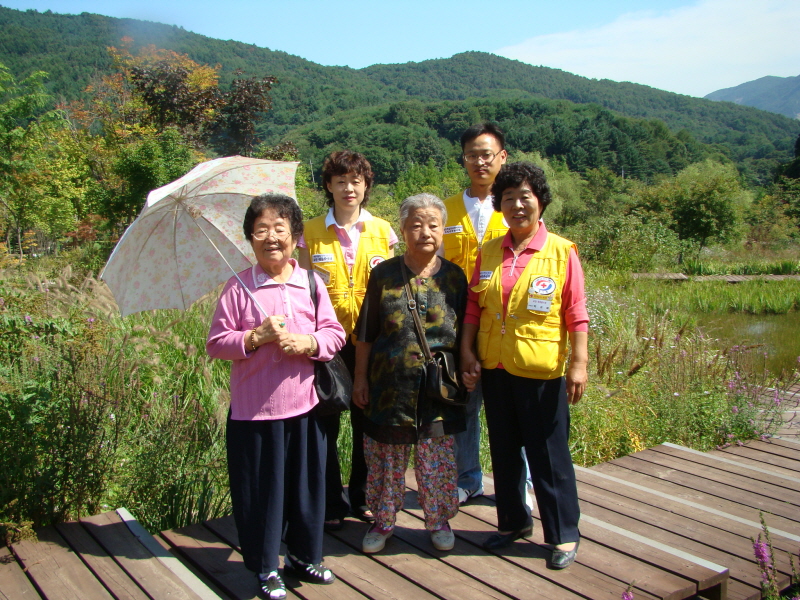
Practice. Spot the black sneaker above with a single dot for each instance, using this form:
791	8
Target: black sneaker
272	586
309	572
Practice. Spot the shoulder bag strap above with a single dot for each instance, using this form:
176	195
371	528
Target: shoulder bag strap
412	306
312	287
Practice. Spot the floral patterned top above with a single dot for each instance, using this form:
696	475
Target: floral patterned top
397	413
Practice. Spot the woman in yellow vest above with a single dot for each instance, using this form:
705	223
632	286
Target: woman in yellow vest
343	246
526	301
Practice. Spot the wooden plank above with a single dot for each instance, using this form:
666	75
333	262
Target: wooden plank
57	572
102	565
704	575
225	529
476	562
736	588
435	577
14	584
578	578
368	576
672	530
473	526
216	560
730	523
785	451
763	457
753	464
744	483
747	498
693	499
138	562
787	479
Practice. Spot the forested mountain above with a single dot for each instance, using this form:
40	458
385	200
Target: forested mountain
776	94
396	107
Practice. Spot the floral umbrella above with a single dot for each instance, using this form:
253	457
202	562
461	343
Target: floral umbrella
188	238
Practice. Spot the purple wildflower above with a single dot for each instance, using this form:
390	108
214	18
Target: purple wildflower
735	410
627	595
28	319
761	551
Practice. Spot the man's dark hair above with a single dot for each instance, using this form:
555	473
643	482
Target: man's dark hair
480	129
342	163
284	206
513	175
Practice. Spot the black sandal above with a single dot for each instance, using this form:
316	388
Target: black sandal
309	572
272	586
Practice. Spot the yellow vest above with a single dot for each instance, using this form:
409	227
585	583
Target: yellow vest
461	244
346	287
531	341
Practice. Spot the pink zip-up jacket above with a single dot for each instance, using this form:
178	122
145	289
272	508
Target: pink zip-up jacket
268	384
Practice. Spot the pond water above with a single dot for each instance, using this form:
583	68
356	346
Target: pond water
780	335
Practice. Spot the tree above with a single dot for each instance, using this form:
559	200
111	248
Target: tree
707	202
24	129
246	101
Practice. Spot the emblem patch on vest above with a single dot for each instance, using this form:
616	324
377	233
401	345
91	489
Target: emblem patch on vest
324	274
540	295
321	258
454	229
485	275
375	261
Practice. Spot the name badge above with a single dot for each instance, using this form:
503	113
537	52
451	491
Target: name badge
318	258
540	305
485	275
324	274
454	229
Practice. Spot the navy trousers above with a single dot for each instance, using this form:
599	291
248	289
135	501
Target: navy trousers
277	478
336	502
532	413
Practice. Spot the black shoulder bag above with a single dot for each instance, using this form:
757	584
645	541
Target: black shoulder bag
441	371
332	380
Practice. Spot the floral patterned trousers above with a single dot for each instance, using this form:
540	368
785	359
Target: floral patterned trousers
435	471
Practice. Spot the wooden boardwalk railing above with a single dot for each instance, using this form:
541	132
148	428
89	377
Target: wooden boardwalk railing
673	522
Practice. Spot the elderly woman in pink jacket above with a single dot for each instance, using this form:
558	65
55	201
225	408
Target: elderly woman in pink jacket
276	446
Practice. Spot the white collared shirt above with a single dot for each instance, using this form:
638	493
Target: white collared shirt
479	213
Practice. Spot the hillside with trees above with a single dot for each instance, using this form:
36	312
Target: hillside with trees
72	50
776	94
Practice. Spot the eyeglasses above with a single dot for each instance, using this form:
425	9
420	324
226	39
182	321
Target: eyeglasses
263	234
486	157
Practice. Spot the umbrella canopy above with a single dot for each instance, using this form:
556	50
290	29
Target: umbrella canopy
188	238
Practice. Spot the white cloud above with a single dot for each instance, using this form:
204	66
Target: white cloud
692	50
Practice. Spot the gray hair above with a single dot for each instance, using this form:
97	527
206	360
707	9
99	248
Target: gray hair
412	203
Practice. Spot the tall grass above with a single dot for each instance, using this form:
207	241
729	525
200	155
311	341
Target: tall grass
98	412
751	297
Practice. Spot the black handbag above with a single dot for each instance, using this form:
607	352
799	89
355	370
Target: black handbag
441	371
332	380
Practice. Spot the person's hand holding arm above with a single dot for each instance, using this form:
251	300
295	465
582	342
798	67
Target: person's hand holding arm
470	367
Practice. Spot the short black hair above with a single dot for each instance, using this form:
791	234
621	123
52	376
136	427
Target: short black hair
342	163
481	129
285	206
513	175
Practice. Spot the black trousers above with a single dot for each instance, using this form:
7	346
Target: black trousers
336	502
532	413
277	477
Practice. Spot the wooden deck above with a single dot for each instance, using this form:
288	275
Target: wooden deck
674	522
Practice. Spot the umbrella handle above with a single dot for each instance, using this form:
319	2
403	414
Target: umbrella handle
235	274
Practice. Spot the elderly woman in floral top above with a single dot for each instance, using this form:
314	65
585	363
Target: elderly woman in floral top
389	376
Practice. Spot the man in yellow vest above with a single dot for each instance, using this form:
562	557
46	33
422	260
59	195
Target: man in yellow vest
471	222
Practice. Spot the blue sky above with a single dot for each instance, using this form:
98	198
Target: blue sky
691	47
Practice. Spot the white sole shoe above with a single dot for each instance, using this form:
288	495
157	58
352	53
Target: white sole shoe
375	540
443	539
